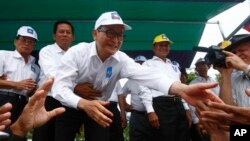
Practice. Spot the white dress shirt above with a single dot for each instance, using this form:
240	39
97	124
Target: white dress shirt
167	69
13	65
81	64
131	87
117	90
49	58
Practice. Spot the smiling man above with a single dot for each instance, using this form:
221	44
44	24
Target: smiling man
102	64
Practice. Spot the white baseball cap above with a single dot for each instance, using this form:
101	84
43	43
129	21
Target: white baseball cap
27	31
140	58
200	60
110	18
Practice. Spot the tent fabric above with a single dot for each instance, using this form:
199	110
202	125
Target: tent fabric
183	21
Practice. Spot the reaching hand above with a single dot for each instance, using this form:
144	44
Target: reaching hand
5	116
227	114
34	113
196	92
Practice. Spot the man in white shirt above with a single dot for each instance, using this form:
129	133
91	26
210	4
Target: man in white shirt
102	64
201	67
171	110
49	57
141	123
18	72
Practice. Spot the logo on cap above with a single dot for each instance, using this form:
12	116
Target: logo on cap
115	16
163	36
29	31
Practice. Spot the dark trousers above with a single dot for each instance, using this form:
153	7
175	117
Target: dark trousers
139	127
172	118
69	123
47	131
18	103
116	131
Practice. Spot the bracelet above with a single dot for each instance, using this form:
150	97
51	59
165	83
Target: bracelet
247	70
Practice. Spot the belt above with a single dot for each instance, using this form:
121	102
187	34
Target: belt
16	95
168	98
139	112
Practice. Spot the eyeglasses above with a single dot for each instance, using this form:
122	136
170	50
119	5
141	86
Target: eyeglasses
27	41
111	34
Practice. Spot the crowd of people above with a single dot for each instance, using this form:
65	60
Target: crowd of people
79	85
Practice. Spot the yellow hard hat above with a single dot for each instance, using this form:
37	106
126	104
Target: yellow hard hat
162	38
224	44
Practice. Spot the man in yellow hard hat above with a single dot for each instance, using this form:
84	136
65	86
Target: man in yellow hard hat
167	111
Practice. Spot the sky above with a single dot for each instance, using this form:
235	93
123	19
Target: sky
228	21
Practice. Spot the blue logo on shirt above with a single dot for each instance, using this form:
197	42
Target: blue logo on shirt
109	72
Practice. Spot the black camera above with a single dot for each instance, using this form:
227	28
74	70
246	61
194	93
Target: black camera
214	55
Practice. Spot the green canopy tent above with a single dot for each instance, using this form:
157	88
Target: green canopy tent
182	21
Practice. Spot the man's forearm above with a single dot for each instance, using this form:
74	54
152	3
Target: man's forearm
226	90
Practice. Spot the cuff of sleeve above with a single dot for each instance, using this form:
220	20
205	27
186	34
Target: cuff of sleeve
149	108
71	101
186	107
195	120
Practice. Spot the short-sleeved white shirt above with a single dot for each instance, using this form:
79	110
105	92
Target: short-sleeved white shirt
13	65
131	87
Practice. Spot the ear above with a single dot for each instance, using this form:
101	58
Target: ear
14	42
94	34
54	37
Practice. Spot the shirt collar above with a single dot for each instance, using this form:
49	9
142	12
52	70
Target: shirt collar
157	58
58	49
19	56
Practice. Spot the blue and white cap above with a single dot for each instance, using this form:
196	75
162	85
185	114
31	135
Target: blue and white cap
111	18
140	58
27	31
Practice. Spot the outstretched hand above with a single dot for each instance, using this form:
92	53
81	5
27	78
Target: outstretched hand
227	114
34	113
5	116
196	92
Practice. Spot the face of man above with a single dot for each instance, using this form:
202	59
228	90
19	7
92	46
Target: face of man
202	69
24	45
108	40
161	49
243	51
63	36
